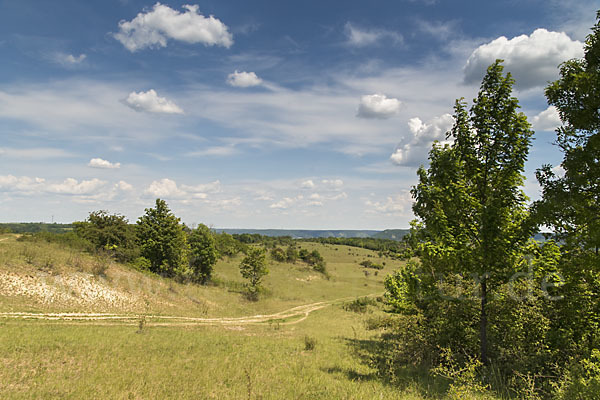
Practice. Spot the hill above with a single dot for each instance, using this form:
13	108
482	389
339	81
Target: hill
394	234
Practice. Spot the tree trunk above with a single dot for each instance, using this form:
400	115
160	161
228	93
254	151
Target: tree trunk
483	323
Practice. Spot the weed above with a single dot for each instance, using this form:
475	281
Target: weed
141	323
309	343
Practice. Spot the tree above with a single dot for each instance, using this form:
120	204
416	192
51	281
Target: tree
110	232
278	254
162	240
254	267
469	204
570	204
203	253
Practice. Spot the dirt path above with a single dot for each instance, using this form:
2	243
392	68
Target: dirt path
282	317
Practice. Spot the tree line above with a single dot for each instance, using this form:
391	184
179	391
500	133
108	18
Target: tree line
480	302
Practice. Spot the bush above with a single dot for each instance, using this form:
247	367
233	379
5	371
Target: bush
371	264
582	380
359	305
278	254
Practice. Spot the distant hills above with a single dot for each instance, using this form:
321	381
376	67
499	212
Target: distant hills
393	234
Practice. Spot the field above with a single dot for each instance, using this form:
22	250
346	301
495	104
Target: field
125	342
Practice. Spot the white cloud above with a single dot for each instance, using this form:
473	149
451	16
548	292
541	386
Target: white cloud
547	120
243	79
213	187
124	186
413	149
365	37
307	184
532	60
100	163
168	188
150	102
333	183
153	28
216	151
398	205
72	186
165	188
283	204
378	106
559	171
68	60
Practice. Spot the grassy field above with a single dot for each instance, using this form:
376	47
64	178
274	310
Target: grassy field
314	357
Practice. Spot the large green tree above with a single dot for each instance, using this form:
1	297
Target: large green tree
469	203
203	253
163	240
570	204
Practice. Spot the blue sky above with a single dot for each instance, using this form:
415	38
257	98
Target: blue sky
263	114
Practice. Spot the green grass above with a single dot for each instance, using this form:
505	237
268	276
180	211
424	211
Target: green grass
318	357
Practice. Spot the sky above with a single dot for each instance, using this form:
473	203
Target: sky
257	114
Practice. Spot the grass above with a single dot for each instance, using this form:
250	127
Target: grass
314	358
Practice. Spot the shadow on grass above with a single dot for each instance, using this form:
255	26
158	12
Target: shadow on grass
379	355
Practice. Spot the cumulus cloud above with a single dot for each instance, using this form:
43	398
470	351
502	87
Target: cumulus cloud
378	106
308	184
243	79
532	60
413	149
168	188
124	186
547	120
153	28
100	163
70	186
357	37
150	102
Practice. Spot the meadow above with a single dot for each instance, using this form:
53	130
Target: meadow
140	355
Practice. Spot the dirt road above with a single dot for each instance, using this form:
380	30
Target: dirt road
288	317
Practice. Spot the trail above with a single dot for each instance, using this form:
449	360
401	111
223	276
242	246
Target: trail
282	317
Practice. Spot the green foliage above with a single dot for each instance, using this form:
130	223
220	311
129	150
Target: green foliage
359	305
388	247
203	253
313	259
469	202
278	254
370	264
254	267
582	380
226	245
163	241
110	232
291	253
